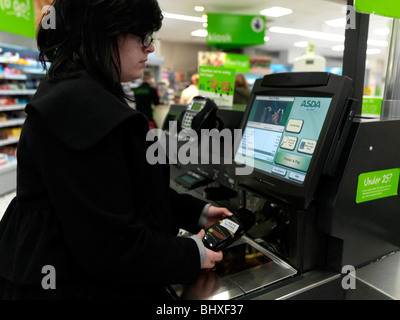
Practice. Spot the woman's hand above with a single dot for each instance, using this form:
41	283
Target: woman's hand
215	214
212	256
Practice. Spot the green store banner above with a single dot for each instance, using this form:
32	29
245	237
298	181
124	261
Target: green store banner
229	31
17	17
218	84
377	185
239	62
387	8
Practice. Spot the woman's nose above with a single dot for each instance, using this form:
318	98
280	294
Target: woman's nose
150	48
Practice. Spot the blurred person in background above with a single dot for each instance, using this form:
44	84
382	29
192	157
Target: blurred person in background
241	93
146	96
191	91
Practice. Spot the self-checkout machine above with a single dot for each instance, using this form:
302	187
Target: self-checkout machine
362	215
292	132
323	185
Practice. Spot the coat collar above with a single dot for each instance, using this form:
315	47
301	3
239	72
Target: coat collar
80	111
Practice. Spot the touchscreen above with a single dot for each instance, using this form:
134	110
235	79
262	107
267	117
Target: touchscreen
282	133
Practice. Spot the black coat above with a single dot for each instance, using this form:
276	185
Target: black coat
89	204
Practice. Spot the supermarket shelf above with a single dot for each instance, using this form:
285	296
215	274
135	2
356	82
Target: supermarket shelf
11	123
13	77
6	142
34	71
8	166
18	92
13	107
8	177
17	88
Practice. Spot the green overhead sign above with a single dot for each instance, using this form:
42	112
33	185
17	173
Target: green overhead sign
229	31
18	17
387	8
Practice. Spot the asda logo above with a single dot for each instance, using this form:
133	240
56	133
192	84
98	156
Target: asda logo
310	105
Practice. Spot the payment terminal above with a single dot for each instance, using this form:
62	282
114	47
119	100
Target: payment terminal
201	113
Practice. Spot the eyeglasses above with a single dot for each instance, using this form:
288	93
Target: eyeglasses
147	40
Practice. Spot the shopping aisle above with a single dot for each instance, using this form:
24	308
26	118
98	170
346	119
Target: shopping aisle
4	201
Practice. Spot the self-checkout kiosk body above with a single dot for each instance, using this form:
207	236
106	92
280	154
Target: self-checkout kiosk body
311	188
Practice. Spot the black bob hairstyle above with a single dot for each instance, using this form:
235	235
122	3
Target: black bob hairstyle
86	37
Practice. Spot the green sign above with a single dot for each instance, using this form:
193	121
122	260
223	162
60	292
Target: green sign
217	84
239	62
372	105
388	8
377	184
18	17
229	31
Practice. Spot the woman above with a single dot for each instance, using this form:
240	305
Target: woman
241	93
92	218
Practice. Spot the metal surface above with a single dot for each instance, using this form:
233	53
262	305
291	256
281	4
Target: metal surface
301	285
215	286
391	97
383	276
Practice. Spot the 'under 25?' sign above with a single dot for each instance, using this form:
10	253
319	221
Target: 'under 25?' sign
229	31
18	17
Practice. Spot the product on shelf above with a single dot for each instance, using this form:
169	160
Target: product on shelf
3	159
9	71
13	86
7	133
7	101
10	151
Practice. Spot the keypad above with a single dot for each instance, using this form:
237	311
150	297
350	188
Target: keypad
187	119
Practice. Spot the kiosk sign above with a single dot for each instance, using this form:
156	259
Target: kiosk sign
377	184
17	17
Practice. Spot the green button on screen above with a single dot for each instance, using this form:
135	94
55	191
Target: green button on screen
292	161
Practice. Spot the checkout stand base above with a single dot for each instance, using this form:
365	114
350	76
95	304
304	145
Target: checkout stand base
267	278
247	267
271	278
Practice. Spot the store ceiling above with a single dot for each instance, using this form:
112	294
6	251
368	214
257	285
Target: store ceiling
310	15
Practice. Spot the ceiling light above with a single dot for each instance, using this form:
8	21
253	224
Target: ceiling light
339	47
301	44
382	31
373	51
184	17
308	34
341	22
378	43
276	12
199	8
200	33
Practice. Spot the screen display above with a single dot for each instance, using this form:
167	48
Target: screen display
196	106
189	179
282	133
